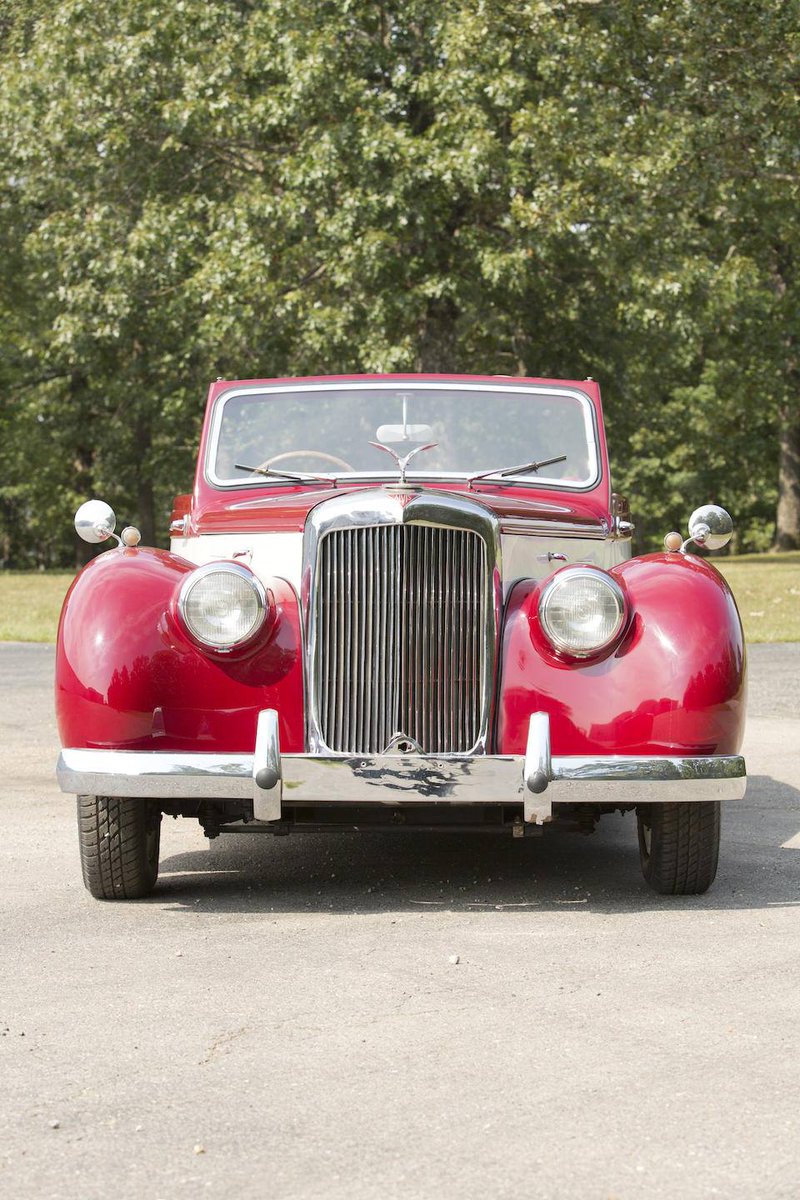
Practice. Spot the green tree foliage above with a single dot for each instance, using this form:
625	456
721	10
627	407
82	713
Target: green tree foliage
272	188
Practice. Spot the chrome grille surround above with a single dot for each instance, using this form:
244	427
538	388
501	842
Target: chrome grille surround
451	541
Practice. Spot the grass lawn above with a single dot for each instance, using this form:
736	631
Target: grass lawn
767	591
766	587
30	603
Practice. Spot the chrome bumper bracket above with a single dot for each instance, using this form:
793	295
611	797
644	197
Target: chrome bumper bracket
537	770
267	781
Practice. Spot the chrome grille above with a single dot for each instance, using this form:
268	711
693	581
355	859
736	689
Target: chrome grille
401	618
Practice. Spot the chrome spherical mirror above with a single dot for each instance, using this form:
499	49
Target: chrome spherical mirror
95	521
710	526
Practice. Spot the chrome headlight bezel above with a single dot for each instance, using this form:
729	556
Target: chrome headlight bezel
222	568
562	579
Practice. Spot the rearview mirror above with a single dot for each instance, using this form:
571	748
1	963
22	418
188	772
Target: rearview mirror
392	434
710	526
95	521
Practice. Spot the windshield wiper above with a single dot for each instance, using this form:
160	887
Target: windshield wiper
294	476
524	469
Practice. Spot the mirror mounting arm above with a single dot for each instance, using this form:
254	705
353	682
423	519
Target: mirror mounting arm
699	537
710	527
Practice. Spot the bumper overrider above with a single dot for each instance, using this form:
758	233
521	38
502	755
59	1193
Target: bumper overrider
271	779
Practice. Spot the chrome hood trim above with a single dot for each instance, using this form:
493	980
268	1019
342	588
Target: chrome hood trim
537	527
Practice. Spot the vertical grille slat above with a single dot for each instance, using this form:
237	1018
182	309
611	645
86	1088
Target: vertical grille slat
467	644
400	613
422	715
336	666
448	635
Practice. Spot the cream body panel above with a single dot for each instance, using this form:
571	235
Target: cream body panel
268	554
525	556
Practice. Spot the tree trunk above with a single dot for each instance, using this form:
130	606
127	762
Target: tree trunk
83	461
437	352
787	525
145	499
84	552
145	503
787	518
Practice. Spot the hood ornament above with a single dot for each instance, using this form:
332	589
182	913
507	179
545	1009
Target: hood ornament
403	462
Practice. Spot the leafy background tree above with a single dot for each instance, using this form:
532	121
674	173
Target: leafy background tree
263	188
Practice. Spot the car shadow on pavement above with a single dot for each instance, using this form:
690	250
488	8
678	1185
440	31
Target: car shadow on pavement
393	871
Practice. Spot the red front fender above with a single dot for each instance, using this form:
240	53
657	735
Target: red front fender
127	677
675	684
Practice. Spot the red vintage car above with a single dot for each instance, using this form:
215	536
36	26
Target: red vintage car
400	600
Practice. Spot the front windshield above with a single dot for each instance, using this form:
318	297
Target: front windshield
327	429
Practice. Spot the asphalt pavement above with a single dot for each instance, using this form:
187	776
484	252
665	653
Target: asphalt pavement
395	1015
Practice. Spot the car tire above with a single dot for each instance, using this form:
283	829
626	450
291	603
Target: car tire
679	846
119	840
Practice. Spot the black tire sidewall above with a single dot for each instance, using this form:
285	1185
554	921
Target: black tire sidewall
684	846
119	840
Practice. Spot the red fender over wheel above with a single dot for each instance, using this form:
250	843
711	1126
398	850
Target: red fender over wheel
675	683
129	677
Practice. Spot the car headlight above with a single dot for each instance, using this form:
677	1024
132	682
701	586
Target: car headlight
222	605
581	610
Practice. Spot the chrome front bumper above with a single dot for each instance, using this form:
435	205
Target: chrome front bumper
270	778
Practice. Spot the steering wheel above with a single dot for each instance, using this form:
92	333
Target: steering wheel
337	462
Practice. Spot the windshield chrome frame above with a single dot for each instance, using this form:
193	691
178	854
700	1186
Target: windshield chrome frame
422	476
